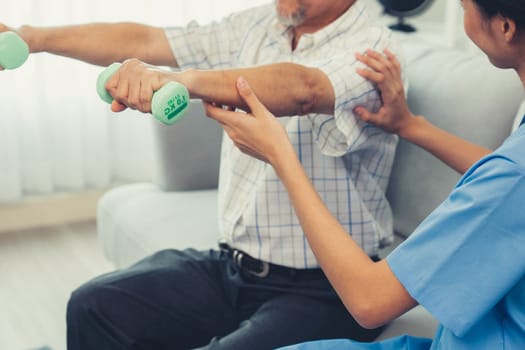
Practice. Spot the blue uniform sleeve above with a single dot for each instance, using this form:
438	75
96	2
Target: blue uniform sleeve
467	255
403	342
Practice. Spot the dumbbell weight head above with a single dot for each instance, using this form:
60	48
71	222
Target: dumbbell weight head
13	50
168	104
102	80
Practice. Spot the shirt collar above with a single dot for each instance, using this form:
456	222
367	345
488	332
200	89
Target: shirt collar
348	22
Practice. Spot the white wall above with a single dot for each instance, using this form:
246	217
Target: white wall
443	19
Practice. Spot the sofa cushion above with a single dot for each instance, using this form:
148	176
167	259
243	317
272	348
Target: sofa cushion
187	153
139	219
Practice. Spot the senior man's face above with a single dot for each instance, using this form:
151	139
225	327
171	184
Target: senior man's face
296	13
291	12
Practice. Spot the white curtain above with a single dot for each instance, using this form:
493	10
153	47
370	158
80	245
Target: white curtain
55	133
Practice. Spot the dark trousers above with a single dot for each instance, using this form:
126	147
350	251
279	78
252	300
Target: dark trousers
190	299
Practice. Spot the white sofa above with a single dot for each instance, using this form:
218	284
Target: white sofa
456	90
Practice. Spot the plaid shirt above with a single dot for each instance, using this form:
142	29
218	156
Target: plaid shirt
348	161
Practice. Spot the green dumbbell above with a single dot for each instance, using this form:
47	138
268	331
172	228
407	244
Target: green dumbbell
13	50
168	105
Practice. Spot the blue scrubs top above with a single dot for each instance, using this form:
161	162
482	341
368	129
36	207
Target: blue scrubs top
466	262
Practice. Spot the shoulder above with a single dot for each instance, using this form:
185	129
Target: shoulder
506	159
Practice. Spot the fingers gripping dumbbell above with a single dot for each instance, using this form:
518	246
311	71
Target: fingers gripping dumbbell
13	50
168	105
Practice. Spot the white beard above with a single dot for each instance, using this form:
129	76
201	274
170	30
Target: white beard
291	20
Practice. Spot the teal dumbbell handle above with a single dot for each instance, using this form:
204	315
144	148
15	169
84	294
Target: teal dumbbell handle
168	105
13	50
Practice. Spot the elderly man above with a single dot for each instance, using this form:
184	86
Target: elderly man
263	287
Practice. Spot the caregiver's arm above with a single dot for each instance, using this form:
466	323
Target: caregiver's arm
369	290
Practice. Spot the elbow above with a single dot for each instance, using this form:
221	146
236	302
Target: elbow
369	323
315	93
368	315
308	97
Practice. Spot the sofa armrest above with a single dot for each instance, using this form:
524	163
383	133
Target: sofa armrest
187	153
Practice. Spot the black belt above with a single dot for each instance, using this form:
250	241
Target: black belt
258	268
262	269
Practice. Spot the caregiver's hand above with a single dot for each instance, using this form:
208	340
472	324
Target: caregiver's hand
256	133
385	71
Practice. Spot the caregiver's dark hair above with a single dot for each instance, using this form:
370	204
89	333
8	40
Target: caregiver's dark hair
513	9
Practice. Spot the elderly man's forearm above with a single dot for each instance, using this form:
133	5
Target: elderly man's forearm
284	88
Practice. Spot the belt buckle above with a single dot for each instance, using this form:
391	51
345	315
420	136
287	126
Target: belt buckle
238	259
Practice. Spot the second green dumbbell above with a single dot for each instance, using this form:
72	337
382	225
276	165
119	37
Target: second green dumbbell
13	50
168	105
